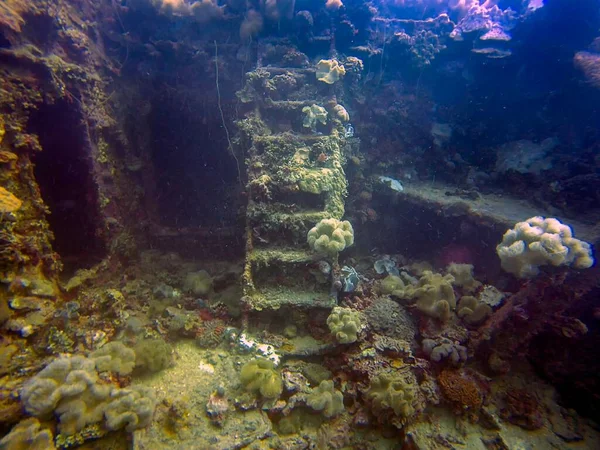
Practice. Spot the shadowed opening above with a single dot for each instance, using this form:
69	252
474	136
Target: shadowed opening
63	172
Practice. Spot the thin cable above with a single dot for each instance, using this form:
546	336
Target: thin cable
230	147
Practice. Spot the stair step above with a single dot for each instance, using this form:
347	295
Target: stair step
283	255
275	297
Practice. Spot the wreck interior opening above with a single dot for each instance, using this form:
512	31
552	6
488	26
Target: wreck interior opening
63	172
196	174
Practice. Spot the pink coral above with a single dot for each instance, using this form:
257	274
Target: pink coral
334	4
589	64
176	7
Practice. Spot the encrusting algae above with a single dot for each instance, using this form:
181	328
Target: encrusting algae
8	202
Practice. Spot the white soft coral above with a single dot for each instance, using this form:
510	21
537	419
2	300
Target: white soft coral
539	242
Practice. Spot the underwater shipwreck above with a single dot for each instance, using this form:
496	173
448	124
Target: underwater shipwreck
310	224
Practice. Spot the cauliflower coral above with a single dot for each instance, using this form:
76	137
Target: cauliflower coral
539	242
331	236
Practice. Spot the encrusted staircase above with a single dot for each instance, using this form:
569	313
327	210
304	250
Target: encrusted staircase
295	179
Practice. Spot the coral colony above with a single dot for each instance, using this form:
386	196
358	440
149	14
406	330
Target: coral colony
299	225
